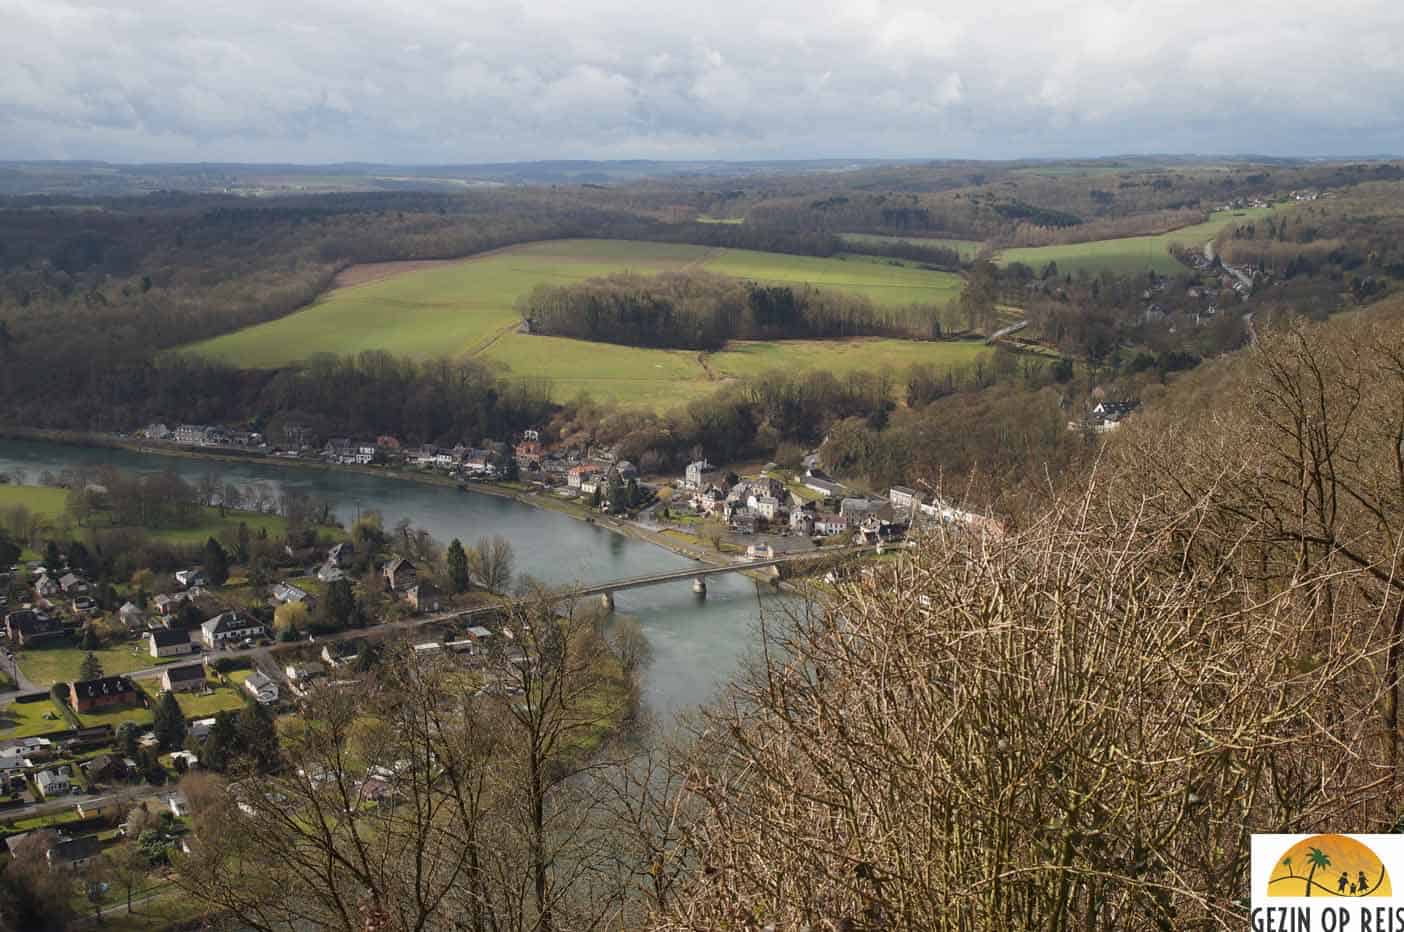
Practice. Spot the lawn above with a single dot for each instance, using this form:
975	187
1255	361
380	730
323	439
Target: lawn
26	719
966	248
223	698
1130	254
893	357
468	309
47	665
50	503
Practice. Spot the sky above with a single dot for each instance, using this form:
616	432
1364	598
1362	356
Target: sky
462	81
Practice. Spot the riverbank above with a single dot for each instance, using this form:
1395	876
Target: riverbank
532	498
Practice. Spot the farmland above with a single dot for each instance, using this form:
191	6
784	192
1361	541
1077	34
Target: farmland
468	308
742	359
1131	254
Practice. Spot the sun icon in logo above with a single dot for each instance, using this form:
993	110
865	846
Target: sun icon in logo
1329	865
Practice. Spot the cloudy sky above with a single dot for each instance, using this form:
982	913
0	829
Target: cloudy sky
433	81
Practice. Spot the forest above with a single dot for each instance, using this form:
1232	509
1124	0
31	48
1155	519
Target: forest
702	311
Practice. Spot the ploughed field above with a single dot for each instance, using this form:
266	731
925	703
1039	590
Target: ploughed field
468	309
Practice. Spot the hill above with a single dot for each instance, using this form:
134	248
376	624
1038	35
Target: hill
469	309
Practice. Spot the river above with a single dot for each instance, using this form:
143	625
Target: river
697	642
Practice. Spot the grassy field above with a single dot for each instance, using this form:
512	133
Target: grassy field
468	309
224	698
871	355
47	665
50	503
966	248
26	719
1130	254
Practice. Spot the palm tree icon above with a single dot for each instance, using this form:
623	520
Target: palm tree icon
1316	858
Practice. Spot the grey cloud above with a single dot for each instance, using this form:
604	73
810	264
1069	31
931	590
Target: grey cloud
478	80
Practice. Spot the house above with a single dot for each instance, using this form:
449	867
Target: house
47	587
826	525
169	642
47	836
710	501
802	521
825	487
191	761
700	474
578	474
767	506
423	597
857	509
743	521
1110	412
53	783
479	633
167	605
301	675
187	677
230	627
329	572
72	584
284	593
903	498
132	616
103	693
339	653
74	854
200	728
341	554
262	687
528	452
155	431
189	579
28	627
592	485
104	769
400	574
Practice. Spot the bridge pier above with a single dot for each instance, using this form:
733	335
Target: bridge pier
699	585
607	601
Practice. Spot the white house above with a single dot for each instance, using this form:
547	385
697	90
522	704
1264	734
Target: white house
229	627
169	642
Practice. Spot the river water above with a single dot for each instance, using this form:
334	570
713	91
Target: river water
697	642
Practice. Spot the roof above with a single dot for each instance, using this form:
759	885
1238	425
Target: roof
78	849
258	680
104	686
397	564
50	776
903	490
186	673
170	637
228	621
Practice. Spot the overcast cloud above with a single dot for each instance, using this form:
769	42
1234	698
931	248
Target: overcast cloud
488	80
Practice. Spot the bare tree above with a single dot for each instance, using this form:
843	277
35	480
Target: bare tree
436	797
1075	727
492	562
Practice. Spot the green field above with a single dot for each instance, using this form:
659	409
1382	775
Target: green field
740	360
1130	254
224	698
469	309
26	719
47	665
50	503
966	248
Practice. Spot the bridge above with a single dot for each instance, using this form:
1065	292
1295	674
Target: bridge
699	574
